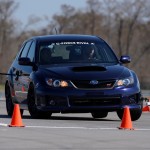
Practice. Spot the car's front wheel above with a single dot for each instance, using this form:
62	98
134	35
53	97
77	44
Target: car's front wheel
34	112
99	114
135	114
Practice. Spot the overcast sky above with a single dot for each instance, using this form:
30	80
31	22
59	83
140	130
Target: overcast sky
43	7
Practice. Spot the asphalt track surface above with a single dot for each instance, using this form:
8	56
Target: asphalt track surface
73	132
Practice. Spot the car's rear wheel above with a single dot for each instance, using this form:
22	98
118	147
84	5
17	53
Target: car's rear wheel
34	112
9	103
99	114
135	114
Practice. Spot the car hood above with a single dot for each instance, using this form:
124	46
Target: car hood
86	72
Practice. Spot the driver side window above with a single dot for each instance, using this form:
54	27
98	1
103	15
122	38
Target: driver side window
25	49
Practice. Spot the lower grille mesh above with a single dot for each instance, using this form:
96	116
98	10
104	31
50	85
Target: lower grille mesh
105	101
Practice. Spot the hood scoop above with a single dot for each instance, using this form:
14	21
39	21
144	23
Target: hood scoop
88	68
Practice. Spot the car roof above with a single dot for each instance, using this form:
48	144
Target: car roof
70	37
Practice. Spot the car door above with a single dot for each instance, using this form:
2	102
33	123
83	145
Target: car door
22	75
25	76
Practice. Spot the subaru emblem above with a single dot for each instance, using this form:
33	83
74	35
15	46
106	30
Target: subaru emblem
93	82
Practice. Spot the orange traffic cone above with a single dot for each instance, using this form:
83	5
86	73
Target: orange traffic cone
126	120
16	117
23	89
146	108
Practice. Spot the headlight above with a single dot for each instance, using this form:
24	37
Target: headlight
57	83
125	82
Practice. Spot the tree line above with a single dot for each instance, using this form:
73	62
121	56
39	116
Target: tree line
124	24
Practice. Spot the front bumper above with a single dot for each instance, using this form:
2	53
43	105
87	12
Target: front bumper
75	100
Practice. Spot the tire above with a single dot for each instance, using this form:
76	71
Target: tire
34	112
99	114
9	103
135	114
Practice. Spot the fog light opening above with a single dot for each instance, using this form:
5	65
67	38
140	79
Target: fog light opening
52	102
132	101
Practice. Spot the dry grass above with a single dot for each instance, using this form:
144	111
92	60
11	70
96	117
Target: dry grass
2	87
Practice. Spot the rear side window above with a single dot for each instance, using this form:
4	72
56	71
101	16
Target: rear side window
31	51
25	49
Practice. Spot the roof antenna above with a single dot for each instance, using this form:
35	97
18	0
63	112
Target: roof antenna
56	31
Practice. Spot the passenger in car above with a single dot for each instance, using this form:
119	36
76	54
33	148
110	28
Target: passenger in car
89	52
45	56
75	54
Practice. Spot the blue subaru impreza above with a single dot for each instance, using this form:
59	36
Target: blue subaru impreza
71	74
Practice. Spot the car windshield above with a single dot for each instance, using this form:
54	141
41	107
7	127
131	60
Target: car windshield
75	52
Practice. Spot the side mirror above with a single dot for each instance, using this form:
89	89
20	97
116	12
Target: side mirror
25	61
125	59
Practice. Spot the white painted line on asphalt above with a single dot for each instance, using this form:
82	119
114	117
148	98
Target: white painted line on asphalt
143	129
84	128
3	124
54	127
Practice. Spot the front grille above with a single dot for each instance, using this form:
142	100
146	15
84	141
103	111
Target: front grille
86	84
103	101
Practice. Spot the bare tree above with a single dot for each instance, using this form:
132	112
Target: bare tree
93	11
7	25
7	7
63	21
